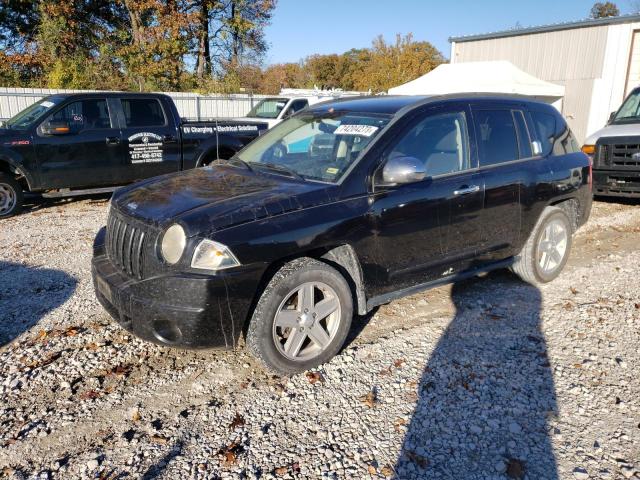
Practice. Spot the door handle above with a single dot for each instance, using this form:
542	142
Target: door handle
168	139
112	140
467	190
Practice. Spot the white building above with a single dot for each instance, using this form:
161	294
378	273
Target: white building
598	62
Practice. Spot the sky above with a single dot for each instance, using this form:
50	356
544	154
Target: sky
303	27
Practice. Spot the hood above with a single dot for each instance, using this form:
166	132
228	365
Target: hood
217	197
615	130
271	122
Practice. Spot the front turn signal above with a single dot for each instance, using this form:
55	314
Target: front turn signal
589	149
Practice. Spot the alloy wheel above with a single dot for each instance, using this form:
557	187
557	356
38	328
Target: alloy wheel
552	246
8	198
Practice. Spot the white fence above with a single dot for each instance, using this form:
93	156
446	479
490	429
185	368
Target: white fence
190	105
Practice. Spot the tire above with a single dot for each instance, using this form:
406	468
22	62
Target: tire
276	338
11	196
541	249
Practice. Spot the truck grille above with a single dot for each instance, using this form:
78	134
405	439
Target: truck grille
623	155
126	246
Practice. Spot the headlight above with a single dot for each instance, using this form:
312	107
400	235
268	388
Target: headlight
211	255
173	243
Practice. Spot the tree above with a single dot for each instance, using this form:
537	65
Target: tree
604	9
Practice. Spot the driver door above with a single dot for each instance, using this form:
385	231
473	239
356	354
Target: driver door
430	229
88	154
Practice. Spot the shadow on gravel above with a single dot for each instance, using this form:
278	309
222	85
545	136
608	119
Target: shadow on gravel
155	470
27	294
487	390
33	203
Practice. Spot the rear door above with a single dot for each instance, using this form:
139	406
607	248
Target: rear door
88	154
505	154
150	138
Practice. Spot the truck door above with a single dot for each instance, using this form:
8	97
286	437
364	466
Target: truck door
504	148
430	229
150	138
84	151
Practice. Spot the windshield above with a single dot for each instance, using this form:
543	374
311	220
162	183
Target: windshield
24	119
318	148
268	108
630	109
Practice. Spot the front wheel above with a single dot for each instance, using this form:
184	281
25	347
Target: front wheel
302	318
547	250
10	196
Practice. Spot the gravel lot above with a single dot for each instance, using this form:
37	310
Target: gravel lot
489	378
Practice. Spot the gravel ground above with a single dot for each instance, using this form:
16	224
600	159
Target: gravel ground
488	378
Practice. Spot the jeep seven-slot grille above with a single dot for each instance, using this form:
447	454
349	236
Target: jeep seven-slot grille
125	246
623	155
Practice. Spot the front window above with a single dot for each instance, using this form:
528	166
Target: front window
268	108
630	110
315	147
30	115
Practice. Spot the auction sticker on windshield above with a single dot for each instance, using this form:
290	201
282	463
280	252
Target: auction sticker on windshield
362	130
145	147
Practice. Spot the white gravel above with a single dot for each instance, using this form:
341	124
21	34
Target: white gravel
490	378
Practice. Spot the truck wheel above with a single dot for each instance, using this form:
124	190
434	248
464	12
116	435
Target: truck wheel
10	196
546	252
302	318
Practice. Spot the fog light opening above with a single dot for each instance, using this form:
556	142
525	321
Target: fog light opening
166	332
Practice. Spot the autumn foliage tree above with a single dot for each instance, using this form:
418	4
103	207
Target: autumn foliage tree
604	9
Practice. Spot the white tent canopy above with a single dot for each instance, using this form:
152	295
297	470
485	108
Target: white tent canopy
481	77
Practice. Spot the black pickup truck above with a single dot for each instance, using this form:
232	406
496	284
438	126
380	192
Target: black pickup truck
285	242
90	142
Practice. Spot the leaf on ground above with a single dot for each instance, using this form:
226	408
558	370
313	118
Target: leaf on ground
387	471
370	399
89	395
515	468
385	371
573	290
159	439
314	377
372	470
637	305
398	362
568	306
417	459
121	370
238	421
230	454
135	415
399	422
280	471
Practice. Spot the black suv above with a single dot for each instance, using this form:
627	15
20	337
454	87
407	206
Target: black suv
286	241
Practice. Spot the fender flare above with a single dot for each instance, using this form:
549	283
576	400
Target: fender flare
16	166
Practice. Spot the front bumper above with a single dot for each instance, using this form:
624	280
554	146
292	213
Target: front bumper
179	310
616	183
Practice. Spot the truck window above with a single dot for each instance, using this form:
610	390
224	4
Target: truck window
296	106
143	112
84	115
496	137
440	141
545	125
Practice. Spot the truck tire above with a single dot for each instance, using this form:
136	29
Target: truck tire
302	317
547	249
11	196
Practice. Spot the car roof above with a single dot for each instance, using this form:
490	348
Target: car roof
392	104
104	94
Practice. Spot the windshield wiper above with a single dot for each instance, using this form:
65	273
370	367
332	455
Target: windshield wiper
282	169
242	162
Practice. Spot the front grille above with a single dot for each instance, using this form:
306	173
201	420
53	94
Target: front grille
126	245
623	155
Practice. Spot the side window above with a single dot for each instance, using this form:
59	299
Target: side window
524	141
84	115
440	141
496	137
142	112
296	106
545	125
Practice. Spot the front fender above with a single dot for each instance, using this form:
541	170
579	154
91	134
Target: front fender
15	162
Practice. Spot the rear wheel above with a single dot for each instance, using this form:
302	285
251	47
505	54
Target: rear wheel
302	318
10	196
547	250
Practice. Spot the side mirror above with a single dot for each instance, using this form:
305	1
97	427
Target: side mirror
56	128
402	170
612	116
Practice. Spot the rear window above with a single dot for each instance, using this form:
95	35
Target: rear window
497	137
143	112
